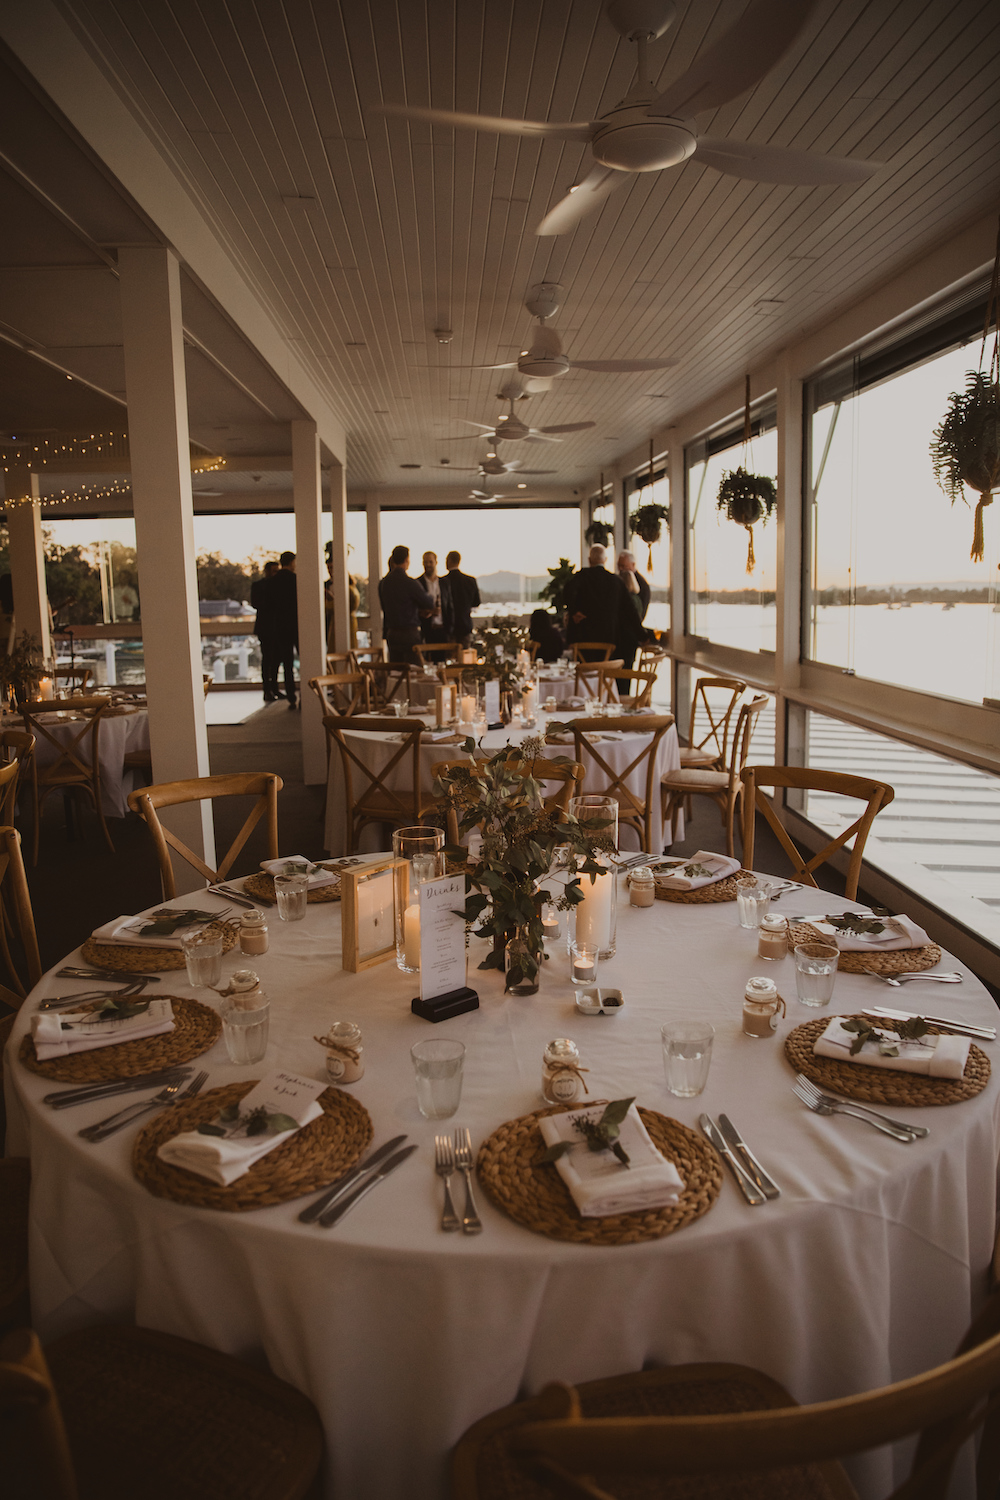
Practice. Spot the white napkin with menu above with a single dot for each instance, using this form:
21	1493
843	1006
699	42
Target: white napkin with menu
703	868
128	930
61	1034
297	864
897	932
222	1159
934	1056
601	1185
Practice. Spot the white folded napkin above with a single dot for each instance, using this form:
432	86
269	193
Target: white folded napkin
935	1056
703	868
435	736
602	1185
897	932
297	864
62	1033
127	930
221	1159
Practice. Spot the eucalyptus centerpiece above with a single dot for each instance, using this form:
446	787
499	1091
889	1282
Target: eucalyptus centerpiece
747	497
522	842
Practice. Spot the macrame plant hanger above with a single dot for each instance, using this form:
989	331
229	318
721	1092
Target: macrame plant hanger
649	544
748	466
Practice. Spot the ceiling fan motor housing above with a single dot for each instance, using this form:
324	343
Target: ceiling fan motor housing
632	142
543	355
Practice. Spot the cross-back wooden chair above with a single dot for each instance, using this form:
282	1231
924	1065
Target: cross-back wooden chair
19	746
367	796
589	651
596	679
343	693
147	801
720	1429
76	765
341	661
17	903
633	812
875	794
70	678
724	787
567	775
365	655
709	751
388	679
651	656
85	1421
639	686
437	653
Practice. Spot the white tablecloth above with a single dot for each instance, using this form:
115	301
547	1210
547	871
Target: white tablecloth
617	753
121	734
867	1270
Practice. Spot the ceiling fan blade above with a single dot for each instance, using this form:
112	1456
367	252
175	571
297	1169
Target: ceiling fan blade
537	471
622	366
779	163
486	426
738	60
567	427
566	130
582	200
539	437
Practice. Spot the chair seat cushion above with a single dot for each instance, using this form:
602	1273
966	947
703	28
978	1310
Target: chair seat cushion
694	779
699	758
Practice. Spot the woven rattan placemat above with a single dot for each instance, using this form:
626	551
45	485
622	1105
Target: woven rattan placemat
896	961
314	1156
261	886
721	890
881	1085
533	1194
196	1027
136	960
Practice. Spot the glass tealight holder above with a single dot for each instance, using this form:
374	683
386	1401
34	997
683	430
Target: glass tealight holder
551	926
583	961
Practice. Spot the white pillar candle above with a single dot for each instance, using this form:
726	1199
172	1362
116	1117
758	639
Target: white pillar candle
452	702
45	688
593	913
441	706
468	708
411	937
528	702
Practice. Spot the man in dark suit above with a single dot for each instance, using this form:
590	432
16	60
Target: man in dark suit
403	601
282	609
599	608
459	597
263	632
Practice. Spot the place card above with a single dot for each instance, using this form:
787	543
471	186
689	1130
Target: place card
442	936
491	701
367	899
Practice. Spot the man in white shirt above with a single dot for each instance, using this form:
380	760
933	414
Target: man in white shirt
432	622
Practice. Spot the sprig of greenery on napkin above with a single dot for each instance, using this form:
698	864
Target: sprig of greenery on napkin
600	1135
856	924
168	919
906	1031
257	1122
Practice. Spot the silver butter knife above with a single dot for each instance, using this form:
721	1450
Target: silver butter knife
338	1211
319	1205
767	1185
744	1181
66	1098
959	1028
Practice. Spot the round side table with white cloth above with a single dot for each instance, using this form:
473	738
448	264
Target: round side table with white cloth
618	752
866	1270
122	732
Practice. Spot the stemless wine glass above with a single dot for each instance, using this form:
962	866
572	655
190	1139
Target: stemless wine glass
437	1068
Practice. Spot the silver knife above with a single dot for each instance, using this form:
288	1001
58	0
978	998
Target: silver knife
959	1028
744	1181
311	1214
346	1204
65	1098
767	1185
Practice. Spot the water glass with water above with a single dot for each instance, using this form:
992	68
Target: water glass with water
437	1066
203	956
751	901
245	1030
291	893
401	707
687	1054
815	972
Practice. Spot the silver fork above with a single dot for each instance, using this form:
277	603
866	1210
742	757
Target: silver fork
898	980
169	1095
471	1222
444	1166
825	1104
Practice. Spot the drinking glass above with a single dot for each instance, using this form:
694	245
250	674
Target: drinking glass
437	1066
245	1031
815	972
424	848
400	707
203	957
751	901
291	892
602	811
687	1053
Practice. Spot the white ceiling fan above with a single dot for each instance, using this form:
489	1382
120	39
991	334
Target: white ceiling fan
492	465
651	130
510	428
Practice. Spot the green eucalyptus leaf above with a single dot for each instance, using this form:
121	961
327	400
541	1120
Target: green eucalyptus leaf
616	1111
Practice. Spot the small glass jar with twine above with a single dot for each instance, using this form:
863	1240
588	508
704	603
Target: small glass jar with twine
344	1052
562	1076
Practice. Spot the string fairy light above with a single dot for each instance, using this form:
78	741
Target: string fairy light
22	453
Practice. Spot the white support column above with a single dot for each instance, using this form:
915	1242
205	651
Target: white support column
375	566
584	523
621	515
678	550
788	625
164	535
307	497
341	597
27	560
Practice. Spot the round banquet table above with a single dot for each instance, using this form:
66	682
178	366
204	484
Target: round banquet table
617	752
124	731
866	1270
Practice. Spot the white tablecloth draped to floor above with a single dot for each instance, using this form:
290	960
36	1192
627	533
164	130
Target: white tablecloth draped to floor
867	1269
618	753
121	734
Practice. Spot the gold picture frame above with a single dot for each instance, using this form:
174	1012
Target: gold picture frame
368	907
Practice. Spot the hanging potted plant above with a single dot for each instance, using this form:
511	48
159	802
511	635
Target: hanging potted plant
747	497
966	446
647	523
599	533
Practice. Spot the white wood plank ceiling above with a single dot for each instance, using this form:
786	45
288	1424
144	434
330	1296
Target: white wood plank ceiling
362	234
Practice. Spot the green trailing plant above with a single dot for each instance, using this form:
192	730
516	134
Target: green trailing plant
746	499
965	449
555	590
599	534
647	523
21	668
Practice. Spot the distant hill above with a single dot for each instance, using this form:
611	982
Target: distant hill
503	586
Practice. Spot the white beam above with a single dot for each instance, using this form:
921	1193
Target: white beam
27	559
341	598
374	567
164	536
788	624
310	570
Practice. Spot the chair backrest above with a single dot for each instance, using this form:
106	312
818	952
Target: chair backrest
37	1462
387	679
946	1405
742	735
875	794
81	676
592	650
343	692
263	785
611	783
368	654
568	774
592	677
429	654
76	745
341	661
717	716
14	886
367	797
16	747
639	691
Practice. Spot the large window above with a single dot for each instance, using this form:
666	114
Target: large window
892	592
727	605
